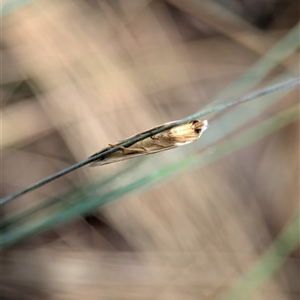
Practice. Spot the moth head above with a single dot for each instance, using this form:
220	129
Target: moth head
188	132
199	126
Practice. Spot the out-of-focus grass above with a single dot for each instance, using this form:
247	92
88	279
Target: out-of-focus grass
239	114
263	67
268	264
84	202
142	175
9	7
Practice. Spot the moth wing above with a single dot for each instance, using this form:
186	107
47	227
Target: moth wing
110	159
144	132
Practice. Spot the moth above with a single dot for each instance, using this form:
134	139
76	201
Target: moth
170	138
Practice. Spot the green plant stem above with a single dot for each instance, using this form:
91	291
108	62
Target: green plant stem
212	154
251	96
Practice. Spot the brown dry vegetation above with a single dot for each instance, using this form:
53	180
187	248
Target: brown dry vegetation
78	75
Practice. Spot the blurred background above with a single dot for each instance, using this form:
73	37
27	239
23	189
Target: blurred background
189	223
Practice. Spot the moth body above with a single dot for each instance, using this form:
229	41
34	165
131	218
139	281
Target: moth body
171	138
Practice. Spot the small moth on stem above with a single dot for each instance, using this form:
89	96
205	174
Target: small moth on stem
171	138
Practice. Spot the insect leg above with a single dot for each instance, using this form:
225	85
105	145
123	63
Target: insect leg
133	150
